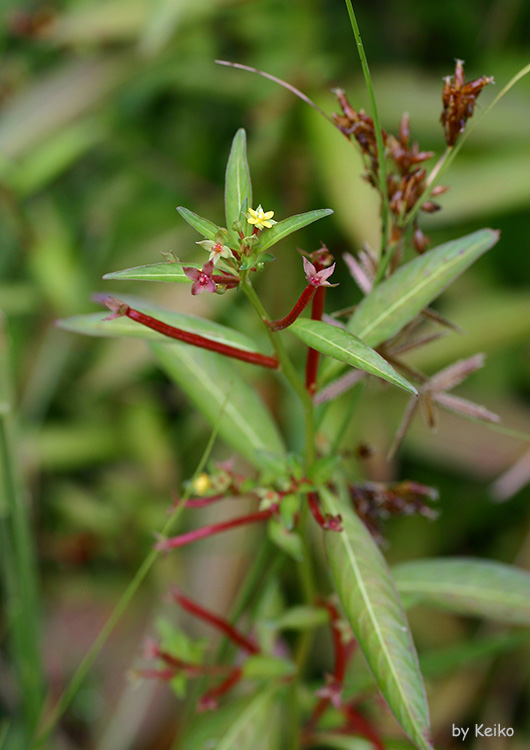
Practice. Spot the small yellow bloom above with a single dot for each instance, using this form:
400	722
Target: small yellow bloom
201	485
260	218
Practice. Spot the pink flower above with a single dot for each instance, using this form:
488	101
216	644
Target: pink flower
202	279
318	278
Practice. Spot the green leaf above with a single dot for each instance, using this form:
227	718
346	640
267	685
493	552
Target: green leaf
341	345
169	272
412	288
301	618
205	227
237	185
449	659
288	541
94	324
242	724
263	666
286	227
398	299
207	378
373	608
322	470
468	586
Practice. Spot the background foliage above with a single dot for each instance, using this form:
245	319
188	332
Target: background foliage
112	114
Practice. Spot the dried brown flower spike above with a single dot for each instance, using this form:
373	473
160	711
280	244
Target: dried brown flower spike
459	99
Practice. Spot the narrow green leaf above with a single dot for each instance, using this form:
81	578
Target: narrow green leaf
288	541
286	227
240	724
204	226
412	288
18	566
237	185
263	666
468	586
341	345
94	324
396	301
372	605
206	378
301	618
169	272
449	659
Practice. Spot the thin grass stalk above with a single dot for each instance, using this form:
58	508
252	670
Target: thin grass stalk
385	212
18	560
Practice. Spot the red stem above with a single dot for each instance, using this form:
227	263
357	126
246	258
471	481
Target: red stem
225	279
191	670
119	308
191	536
201	341
341	653
208	700
358	724
313	356
201	502
303	301
327	521
216	621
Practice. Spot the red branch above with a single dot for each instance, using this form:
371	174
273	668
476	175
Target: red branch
327	521
208	701
303	301
192	536
119	308
313	356
216	621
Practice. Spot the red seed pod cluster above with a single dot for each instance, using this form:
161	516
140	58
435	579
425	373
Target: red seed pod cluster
459	98
406	178
375	501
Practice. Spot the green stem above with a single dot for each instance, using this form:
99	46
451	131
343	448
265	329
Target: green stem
18	563
305	569
288	369
348	414
377	126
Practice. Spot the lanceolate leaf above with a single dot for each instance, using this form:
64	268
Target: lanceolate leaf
237	186
398	299
468	586
239	725
372	605
205	227
292	224
207	379
169	272
94	324
341	345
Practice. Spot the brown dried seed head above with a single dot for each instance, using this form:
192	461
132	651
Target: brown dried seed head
458	99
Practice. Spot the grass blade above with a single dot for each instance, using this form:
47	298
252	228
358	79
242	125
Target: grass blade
18	564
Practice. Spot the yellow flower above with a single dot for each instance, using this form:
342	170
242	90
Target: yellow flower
260	218
201	484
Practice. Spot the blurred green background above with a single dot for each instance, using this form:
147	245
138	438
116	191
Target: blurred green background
113	113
